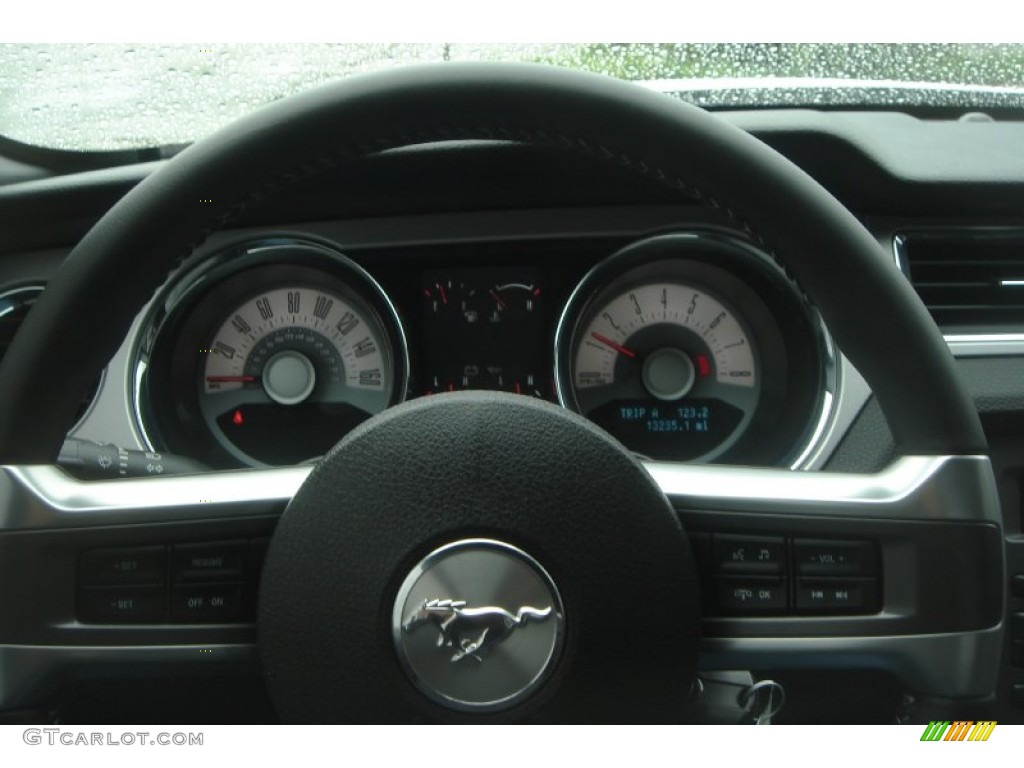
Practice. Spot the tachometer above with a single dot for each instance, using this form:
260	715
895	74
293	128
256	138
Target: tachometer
695	347
667	363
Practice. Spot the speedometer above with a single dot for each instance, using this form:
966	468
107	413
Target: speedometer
694	347
268	354
291	369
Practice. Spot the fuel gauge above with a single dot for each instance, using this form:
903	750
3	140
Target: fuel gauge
483	329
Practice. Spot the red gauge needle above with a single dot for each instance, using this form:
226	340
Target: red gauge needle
230	379
497	298
617	347
444	294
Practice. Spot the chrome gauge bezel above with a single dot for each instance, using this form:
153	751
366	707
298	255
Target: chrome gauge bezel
195	281
747	265
24	296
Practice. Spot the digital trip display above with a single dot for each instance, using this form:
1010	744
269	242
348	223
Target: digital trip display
681	430
484	329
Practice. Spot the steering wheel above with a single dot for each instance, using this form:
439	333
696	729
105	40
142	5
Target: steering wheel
554	579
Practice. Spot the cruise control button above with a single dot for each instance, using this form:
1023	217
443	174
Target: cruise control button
837	596
743	596
749	554
835	558
211	604
120	605
219	561
135	565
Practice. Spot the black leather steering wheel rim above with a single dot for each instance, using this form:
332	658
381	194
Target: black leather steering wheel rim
875	318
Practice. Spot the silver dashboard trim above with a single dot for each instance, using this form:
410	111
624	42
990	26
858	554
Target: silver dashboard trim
986	344
45	497
912	488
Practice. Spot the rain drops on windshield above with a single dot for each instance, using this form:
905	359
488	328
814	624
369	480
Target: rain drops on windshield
110	97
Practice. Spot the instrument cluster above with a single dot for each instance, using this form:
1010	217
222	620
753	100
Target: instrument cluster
690	346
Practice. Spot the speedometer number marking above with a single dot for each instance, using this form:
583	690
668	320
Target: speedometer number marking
370	378
224	349
322	307
240	325
263	305
347	322
365	347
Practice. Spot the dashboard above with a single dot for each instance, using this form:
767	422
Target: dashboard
686	345
485	265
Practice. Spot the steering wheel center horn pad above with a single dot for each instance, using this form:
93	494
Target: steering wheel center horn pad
443	492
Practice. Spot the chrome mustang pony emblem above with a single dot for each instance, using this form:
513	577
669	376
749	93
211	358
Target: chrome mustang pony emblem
471	631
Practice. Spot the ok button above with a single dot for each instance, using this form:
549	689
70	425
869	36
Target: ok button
750	554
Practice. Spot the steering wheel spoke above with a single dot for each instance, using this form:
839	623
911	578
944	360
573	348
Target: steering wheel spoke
124	577
900	570
933	579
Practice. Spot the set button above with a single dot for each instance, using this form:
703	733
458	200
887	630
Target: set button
121	605
136	565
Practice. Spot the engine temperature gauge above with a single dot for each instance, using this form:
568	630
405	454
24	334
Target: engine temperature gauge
483	330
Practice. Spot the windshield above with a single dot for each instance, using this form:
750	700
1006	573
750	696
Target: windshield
111	97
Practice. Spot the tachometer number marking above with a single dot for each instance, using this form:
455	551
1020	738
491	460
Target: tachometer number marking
636	305
347	323
263	305
322	307
611	322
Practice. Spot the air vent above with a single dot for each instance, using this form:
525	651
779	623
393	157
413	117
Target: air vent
968	279
14	306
